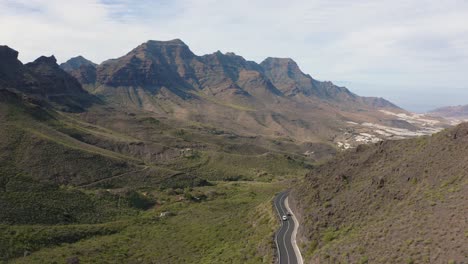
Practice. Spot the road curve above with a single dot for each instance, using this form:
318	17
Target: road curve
284	236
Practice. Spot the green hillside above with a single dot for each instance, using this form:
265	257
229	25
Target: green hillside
67	180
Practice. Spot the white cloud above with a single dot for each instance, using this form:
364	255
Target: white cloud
399	43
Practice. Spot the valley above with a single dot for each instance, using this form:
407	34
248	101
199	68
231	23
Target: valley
164	156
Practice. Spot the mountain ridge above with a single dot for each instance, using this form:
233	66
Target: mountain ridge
151	62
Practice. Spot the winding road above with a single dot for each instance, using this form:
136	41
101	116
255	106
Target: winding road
288	252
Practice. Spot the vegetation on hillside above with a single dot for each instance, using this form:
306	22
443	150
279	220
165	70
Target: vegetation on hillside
70	187
223	223
394	202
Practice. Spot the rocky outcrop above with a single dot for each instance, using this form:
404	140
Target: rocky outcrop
75	63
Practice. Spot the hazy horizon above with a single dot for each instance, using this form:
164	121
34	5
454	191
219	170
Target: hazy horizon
413	99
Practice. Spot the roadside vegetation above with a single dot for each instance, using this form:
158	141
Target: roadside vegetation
224	223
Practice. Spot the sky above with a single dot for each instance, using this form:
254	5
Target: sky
412	52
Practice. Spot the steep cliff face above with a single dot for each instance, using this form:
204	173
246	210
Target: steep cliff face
286	75
393	202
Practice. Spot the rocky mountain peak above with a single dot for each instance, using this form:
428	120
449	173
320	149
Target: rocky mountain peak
151	64
8	54
228	57
230	61
42	79
288	77
75	63
175	47
46	60
284	65
10	66
173	42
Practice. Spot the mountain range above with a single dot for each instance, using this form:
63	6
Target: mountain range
273	98
171	65
144	109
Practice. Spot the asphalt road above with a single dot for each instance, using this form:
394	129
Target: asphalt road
286	253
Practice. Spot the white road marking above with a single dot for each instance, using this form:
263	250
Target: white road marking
283	209
294	234
284	241
282	199
276	237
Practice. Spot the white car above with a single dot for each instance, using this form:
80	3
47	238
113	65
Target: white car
285	218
